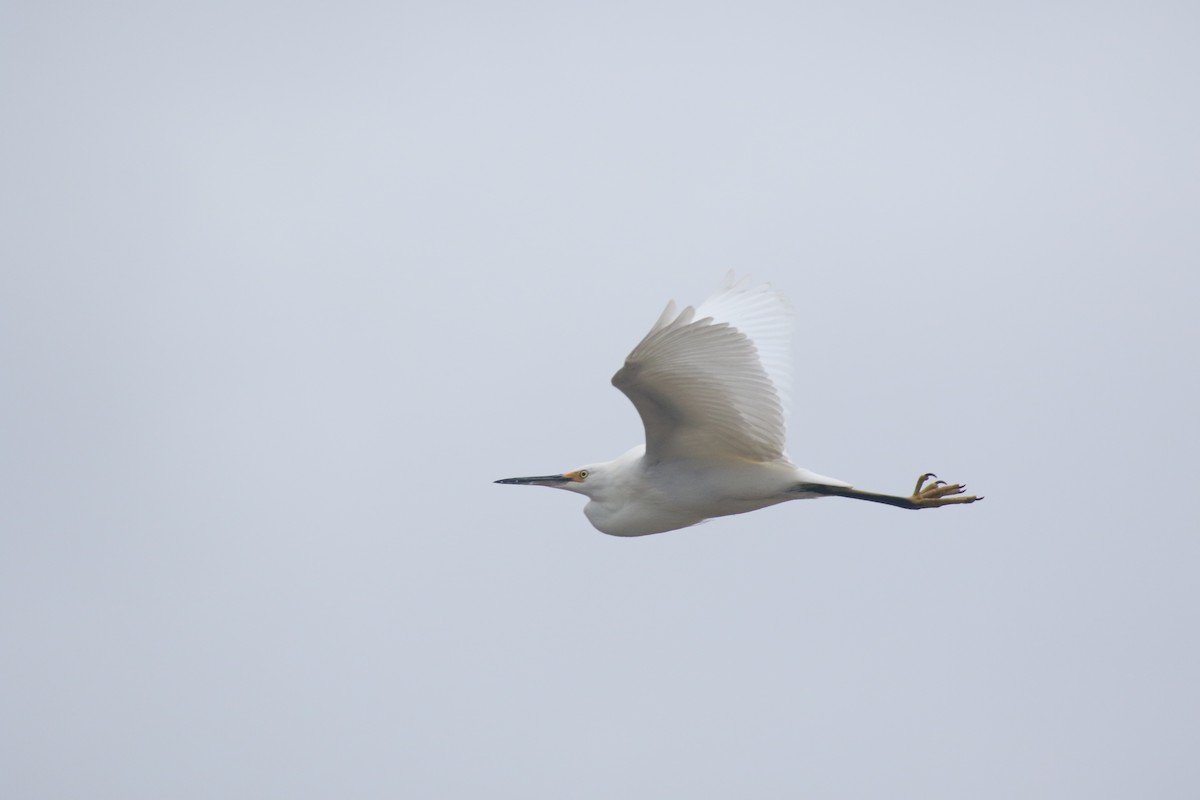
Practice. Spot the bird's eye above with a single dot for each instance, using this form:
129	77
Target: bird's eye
583	473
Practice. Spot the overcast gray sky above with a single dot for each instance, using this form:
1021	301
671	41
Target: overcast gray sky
286	286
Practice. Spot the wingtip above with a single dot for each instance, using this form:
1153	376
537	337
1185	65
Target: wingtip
666	317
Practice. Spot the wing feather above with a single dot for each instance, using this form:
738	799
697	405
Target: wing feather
712	382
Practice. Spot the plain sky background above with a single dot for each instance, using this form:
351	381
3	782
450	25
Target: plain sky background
287	285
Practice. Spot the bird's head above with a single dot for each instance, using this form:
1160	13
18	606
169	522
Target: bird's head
585	480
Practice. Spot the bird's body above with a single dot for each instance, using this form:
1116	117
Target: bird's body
711	385
634	497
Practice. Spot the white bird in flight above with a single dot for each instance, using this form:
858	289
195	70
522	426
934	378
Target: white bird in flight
712	385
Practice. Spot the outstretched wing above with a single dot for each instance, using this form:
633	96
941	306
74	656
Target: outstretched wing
713	382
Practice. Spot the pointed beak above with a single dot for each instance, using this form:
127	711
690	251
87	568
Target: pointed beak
541	480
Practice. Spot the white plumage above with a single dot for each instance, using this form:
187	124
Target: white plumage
712	386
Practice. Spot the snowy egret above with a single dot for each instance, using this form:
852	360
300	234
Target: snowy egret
711	385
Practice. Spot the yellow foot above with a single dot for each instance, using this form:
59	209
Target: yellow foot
939	493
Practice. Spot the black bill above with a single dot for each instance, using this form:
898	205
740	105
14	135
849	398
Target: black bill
537	481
